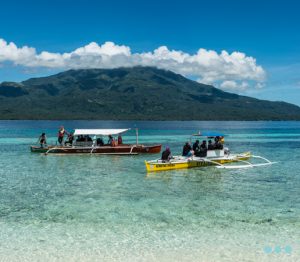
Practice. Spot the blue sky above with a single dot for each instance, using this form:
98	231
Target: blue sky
267	31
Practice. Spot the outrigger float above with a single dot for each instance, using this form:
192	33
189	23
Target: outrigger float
91	147
219	158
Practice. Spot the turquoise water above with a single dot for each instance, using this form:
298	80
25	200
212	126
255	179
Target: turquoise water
107	208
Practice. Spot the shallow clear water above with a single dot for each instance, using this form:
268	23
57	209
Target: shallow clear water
108	207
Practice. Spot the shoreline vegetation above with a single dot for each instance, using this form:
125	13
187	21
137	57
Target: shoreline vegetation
137	93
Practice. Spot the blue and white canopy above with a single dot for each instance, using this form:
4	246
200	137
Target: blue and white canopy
99	132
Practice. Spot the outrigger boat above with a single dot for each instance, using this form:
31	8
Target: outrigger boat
91	147
218	158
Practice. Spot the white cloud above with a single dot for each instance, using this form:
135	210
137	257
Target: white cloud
234	85
259	85
234	71
10	52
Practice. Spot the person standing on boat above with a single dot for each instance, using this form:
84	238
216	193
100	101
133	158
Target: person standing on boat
43	140
61	134
110	140
120	140
166	155
186	149
70	139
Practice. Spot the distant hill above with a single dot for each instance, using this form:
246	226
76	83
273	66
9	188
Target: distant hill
138	93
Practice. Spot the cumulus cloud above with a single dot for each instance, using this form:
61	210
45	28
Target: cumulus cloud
10	52
234	71
234	85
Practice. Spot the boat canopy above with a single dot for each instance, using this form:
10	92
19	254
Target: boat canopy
209	134
99	132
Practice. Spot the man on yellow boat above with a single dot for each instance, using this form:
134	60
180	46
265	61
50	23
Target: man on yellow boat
203	149
196	148
218	144
210	145
166	155
186	151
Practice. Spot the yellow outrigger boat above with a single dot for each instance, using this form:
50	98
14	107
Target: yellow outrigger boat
217	157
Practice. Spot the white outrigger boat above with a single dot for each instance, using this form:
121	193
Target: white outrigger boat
219	158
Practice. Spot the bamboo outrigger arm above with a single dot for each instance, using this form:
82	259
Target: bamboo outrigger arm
131	149
52	149
248	164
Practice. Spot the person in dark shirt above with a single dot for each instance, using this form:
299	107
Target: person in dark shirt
100	141
43	140
218	144
203	149
196	148
166	155
80	138
210	145
70	139
110	140
186	149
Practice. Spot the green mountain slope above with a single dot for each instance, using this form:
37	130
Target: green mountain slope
138	93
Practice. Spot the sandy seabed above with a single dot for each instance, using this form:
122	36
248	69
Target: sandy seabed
61	242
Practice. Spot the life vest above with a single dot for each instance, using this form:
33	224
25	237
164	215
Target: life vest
61	133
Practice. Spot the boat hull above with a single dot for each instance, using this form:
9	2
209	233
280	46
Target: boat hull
184	163
109	150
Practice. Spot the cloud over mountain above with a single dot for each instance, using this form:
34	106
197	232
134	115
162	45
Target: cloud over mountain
226	70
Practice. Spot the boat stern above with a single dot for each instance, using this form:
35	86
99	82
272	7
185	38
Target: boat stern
36	149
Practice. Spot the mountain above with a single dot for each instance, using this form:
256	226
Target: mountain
137	93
